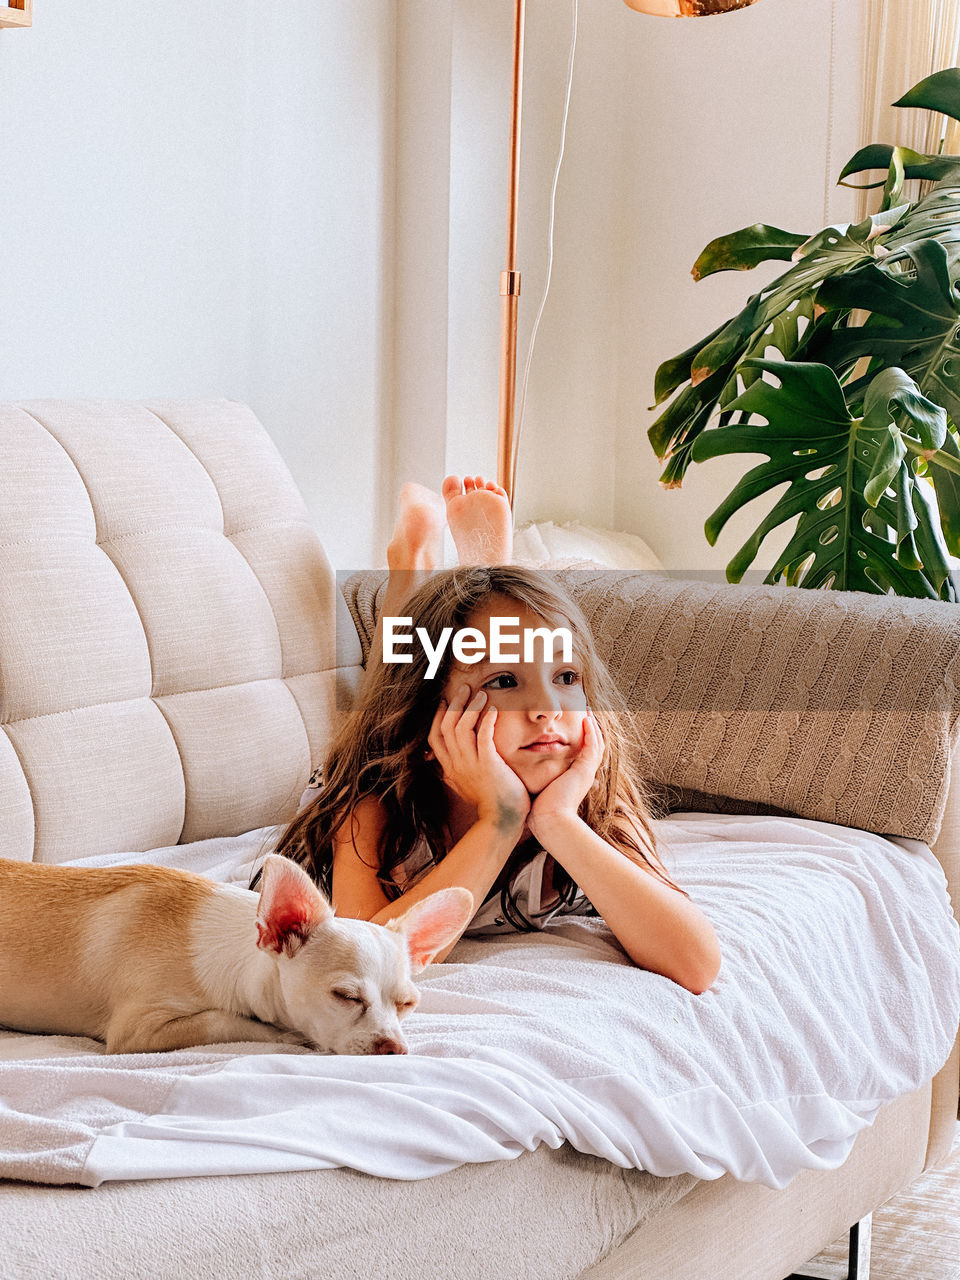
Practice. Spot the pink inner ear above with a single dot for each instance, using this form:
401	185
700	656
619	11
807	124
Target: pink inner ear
291	907
429	925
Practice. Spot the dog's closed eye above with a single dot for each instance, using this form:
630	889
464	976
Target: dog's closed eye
350	997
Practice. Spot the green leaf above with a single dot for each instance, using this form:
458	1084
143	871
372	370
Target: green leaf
877	224
922	310
893	187
832	250
886	464
743	250
946	485
673	372
907	553
939	92
923	298
931	543
839	471
684	418
893	397
728	344
676	468
936	217
915	165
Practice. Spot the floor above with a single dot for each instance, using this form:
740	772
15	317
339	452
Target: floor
916	1236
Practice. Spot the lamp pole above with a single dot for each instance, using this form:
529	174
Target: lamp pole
510	277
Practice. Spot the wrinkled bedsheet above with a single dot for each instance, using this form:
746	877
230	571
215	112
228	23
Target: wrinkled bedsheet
839	991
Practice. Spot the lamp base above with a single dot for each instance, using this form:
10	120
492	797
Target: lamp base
687	8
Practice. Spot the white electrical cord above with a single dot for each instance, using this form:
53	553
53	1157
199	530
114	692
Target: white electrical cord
553	210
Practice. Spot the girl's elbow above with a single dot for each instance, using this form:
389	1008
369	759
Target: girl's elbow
695	968
702	969
700	984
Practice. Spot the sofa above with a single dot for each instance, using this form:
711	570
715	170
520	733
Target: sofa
175	651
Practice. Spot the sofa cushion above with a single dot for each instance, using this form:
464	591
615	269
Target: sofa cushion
168	628
837	705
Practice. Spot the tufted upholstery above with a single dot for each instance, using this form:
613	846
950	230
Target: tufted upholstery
170	629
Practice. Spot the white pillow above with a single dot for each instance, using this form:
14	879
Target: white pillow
545	542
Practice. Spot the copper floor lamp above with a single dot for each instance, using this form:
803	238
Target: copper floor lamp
510	277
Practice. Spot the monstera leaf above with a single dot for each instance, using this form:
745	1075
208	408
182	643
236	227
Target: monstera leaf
712	365
924	310
936	217
865	524
744	249
860	410
880	156
946	484
938	92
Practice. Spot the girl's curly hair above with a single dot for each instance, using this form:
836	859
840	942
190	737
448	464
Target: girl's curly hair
379	750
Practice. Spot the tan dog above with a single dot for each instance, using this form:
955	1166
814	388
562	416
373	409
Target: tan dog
148	958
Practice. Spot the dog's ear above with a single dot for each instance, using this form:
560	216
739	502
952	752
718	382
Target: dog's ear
432	923
291	906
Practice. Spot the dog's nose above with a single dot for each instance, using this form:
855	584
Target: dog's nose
389	1046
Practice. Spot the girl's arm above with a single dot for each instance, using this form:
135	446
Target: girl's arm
474	863
658	927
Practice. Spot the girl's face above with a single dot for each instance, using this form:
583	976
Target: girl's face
540	705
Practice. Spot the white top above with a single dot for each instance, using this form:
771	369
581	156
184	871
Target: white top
528	892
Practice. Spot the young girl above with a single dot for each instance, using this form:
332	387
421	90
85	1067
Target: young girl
515	779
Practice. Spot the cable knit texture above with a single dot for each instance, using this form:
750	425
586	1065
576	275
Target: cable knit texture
837	706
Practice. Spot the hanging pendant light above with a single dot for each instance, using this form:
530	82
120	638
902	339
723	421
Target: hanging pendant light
687	8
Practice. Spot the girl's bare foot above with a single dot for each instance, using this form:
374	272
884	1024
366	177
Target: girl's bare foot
417	541
480	519
416	547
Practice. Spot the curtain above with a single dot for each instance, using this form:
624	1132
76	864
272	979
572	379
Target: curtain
907	40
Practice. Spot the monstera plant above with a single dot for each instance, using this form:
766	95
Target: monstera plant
844	374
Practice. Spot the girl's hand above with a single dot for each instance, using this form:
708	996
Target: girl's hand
461	738
563	796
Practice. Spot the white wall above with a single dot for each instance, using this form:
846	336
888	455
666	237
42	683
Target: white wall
303	206
321	229
760	121
199	202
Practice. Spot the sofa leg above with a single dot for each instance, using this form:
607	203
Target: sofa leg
858	1261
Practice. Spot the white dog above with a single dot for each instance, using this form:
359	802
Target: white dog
147	958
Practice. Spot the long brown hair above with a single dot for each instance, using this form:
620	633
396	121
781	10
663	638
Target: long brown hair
379	751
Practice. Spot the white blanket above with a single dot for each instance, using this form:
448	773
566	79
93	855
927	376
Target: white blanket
839	991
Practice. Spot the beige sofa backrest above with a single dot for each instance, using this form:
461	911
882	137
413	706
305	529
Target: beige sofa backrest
168	619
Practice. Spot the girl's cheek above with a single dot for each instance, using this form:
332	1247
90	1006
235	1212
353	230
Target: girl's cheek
454	681
577	698
500	729
502	699
506	733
